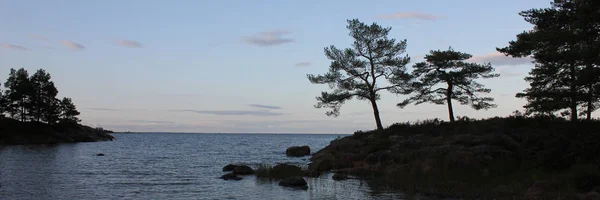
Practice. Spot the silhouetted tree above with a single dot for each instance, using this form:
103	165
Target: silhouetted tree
565	42
43	97
2	102
361	71
450	69
18	94
68	111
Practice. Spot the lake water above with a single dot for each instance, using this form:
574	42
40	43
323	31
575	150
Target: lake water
165	166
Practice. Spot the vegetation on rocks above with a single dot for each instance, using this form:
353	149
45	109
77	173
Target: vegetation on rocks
471	158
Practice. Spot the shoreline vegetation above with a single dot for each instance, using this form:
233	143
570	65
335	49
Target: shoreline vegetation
37	116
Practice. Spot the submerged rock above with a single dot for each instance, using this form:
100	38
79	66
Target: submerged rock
295	182
100	154
229	167
298	151
339	177
243	170
311	173
231	176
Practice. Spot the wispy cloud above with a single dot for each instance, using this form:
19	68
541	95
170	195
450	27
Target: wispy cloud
498	58
128	43
152	121
13	46
303	64
39	38
72	45
232	112
264	106
268	38
410	15
103	109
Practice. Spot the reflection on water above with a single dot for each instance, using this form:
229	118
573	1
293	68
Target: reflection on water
165	166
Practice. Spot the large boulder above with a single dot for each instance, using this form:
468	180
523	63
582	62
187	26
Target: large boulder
295	182
229	167
298	151
543	190
285	170
243	170
231	176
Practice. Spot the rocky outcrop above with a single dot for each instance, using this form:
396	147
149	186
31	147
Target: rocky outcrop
294	182
298	151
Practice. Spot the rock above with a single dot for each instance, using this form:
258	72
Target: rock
589	196
543	190
229	167
231	176
462	160
284	171
298	151
311	173
339	177
243	170
100	154
295	182
593	195
322	163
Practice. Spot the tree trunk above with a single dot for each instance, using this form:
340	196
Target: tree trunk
376	114
589	102
573	88
449	102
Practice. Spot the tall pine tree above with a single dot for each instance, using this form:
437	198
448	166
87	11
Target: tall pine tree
18	94
565	43
362	71
445	76
43	97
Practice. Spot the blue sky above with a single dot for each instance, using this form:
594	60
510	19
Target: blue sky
240	66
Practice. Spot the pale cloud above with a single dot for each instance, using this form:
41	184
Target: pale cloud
410	15
13	46
268	38
264	106
232	112
128	43
72	45
47	47
39	37
152	121
498	58
303	64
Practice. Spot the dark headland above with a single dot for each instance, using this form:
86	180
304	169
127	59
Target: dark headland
498	158
13	132
32	113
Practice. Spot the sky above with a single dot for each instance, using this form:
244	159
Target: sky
237	66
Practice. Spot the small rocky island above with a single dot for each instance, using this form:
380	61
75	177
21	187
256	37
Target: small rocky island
31	113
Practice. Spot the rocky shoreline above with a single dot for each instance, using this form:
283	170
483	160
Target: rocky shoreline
13	132
514	157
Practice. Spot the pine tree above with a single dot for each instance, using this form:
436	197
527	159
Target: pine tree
68	111
565	42
449	69
18	94
361	71
43	98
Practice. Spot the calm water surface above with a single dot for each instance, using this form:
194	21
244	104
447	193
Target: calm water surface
165	166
